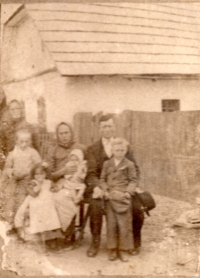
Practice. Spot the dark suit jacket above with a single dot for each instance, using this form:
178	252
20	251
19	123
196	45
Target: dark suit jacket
121	177
96	157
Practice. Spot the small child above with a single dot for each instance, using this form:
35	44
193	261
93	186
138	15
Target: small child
39	205
17	174
118	181
69	192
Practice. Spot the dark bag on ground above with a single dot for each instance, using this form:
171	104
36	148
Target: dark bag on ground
147	201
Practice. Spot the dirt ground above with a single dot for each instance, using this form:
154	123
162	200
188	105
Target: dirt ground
165	251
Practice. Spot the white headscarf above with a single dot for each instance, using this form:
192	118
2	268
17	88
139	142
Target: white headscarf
77	153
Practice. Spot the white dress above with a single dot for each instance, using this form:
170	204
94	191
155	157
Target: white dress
64	198
42	213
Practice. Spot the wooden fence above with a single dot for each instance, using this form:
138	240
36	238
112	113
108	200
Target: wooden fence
166	147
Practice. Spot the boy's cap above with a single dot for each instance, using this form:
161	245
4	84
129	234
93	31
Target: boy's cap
118	202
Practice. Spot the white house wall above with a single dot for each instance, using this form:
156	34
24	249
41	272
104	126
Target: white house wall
26	60
115	94
65	96
23	52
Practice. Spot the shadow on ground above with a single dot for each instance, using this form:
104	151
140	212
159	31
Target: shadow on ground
165	251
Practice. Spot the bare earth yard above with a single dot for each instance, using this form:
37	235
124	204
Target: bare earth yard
165	251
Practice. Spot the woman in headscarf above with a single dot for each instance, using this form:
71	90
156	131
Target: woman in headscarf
58	166
69	192
13	120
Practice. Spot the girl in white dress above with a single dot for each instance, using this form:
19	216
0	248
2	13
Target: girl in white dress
40	207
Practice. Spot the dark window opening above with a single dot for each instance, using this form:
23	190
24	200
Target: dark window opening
170	105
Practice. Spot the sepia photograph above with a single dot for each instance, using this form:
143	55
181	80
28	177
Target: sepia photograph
100	139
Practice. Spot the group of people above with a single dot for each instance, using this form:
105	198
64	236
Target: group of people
44	195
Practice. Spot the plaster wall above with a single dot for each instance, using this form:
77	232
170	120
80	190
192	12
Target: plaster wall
65	96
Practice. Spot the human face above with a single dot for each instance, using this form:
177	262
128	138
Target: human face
107	129
15	111
64	134
119	151
39	175
74	158
23	141
31	185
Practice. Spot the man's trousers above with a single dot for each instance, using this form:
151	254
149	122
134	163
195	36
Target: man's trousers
96	217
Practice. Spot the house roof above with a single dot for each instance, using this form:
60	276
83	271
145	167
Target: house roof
121	38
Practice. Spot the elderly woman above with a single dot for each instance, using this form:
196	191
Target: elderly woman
57	159
12	120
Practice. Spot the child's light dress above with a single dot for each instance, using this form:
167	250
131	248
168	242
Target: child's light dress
65	197
42	213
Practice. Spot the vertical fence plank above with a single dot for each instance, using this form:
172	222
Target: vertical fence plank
83	127
41	106
86	125
95	126
46	140
123	124
77	126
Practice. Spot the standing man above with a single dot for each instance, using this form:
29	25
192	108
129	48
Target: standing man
97	154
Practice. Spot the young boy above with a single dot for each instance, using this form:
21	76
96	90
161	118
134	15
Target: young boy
118	181
17	174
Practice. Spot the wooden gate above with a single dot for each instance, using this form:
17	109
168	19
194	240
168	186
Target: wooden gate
166	147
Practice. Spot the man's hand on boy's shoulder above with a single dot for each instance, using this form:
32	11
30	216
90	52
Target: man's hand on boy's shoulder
45	164
97	193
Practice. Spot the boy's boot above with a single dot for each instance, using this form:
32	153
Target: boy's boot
123	255
135	251
112	254
94	247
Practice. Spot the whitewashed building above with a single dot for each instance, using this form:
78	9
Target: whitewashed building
94	57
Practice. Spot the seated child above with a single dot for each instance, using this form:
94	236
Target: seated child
118	181
39	205
17	174
69	192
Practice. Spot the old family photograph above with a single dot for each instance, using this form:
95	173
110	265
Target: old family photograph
100	139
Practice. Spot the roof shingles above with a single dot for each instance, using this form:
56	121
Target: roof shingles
121	38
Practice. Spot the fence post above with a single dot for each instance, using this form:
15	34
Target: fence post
95	126
41	114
